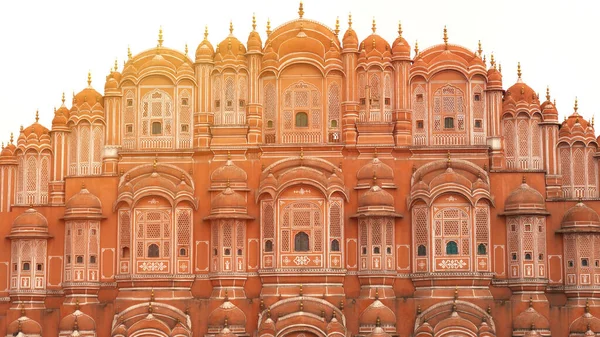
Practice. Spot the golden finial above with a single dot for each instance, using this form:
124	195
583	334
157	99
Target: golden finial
492	61
446	37
76	304
186	49
576	105
489	310
268	26
479	50
349	20
378	322
63	98
228	184
89	78
226	322
11	137
301	152
519	70
152	295
342	305
554	102
337	25
21	129
548	92
300	290
228	155
524	180
376	289
269	312
160	37
419	309
116	64
484	61
23	308
399	29
301	305
448	156
592	121
205	32
226	297
37	116
373	43
301	10
455	293
253	22
374	26
129	53
230	27
530	301
587	305
374	178
416	47
154	164
150	307
2	145
500	68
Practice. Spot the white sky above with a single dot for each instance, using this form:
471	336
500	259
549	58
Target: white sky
49	46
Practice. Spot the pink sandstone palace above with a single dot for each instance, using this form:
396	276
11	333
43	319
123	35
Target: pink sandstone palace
311	185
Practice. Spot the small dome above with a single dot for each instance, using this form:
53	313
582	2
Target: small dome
455	321
228	199
400	47
580	215
525	200
375	168
378	332
111	83
25	325
34	134
8	152
334	326
530	318
205	50
254	42
584	323
333	52
376	197
225	332
61	116
375	46
494	78
84	200
84	322
577	126
230	50
267	326
30	219
521	92
377	311
271	58
229	311
350	39
229	172
88	95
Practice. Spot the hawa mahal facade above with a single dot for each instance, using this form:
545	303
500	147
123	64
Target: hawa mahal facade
311	185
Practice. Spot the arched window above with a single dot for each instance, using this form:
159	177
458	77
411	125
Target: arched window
448	123
335	246
301	119
92	259
481	249
26	266
421	251
301	242
79	259
182	252
125	252
451	248
156	128
153	250
268	246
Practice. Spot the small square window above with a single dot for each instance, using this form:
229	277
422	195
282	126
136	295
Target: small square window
528	228
363	101
229	103
388	250
597	263
420	124
69	259
93	259
39	267
540	229
570	264
239	252
227	252
419	97
376	250
79	259
242	103
387	101
15	268
217	103
448	123
129	128
156	128
80	232
477	97
585	262
92	232
541	257
364	250
514	256
184	101
513	228
182	252
26	266
478	123
130	102
528	256
185	128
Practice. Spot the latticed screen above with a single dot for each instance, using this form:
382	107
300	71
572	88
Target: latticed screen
420	116
302	102
268	226
452	232
153	228
420	229
579	171
302	217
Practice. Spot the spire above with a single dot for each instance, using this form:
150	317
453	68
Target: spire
89	78
63	98
575	107
374	26
479	50
500	68
519	70
186	49
11	137
160	37
205	32
531	301
548	93
268	26
116	65
37	116
337	25
484	61
492	61
416	47
77	300
446	37
378	322
129	53
349	20
301	10
399	29
253	22
230	27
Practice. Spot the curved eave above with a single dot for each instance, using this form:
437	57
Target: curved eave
579	229
228	216
525	212
377	214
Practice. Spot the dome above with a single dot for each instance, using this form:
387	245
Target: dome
377	311
205	50
375	168
226	333
525	200
577	126
450	176
378	332
35	134
111	83
333	53
375	197
521	92
334	326
30	219
61	116
228	199
494	78
454	321
584	323
530	318
580	216
375	46
229	172
254	42
84	322
230	50
88	95
83	203
234	315
25	325
549	109
8	152
270	58
400	47
350	39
